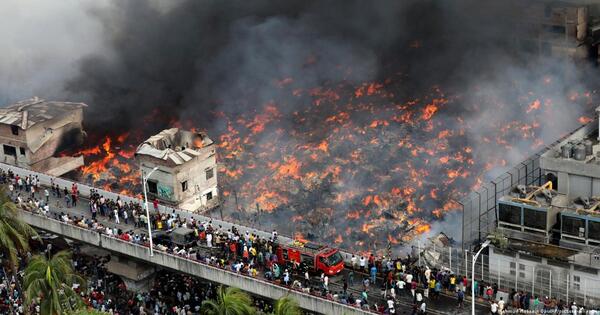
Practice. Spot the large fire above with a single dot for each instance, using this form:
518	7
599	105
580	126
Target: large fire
357	166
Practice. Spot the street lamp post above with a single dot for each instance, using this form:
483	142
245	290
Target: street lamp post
484	245
144	182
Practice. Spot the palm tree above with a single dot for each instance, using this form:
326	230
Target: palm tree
14	233
286	306
230	301
52	280
86	311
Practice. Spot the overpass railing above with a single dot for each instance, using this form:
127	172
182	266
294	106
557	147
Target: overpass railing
191	266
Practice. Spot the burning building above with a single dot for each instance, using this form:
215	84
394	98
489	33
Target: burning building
186	174
32	131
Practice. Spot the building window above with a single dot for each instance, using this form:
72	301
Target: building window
22	150
521	267
209	173
209	196
184	186
576	282
14	129
152	187
521	275
10	150
513	268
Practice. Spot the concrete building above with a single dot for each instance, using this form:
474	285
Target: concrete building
554	228
567	28
33	131
187	169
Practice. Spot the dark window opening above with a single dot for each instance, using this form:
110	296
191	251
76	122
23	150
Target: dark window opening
22	150
509	214
555	29
547	11
184	186
209	196
594	230
534	218
14	129
209	173
573	226
10	150
552	178
152	187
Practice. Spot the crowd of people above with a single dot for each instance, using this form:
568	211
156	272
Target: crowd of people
244	252
170	293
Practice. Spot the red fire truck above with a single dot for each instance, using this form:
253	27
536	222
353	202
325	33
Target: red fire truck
318	258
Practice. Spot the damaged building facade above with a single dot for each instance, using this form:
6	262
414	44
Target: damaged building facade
33	131
186	174
569	28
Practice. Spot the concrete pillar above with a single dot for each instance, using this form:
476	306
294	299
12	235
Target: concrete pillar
582	23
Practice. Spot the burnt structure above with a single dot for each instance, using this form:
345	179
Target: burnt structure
33	131
186	174
567	29
560	28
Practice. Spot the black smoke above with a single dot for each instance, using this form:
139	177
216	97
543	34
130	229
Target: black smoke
198	56
156	62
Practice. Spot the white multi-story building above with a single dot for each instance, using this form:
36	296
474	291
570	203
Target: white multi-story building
187	169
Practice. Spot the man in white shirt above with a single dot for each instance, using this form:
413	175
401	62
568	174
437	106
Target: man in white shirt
209	240
419	297
390	303
363	263
494	307
401	284
574	309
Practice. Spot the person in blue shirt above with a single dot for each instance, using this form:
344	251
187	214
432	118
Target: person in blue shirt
373	274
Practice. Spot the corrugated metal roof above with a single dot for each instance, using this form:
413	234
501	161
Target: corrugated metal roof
29	112
174	145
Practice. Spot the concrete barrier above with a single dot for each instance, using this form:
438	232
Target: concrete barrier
229	278
84	190
57	227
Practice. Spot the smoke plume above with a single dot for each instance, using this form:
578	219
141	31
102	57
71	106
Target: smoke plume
199	60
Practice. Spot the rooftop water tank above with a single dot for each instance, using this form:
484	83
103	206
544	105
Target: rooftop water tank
566	150
589	147
579	152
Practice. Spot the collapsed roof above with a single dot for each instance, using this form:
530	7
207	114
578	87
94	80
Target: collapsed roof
27	113
174	146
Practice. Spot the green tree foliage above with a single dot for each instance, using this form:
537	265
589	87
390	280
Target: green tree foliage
49	282
286	306
230	301
14	233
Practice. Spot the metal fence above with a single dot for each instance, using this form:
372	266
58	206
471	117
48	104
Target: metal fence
520	274
479	207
